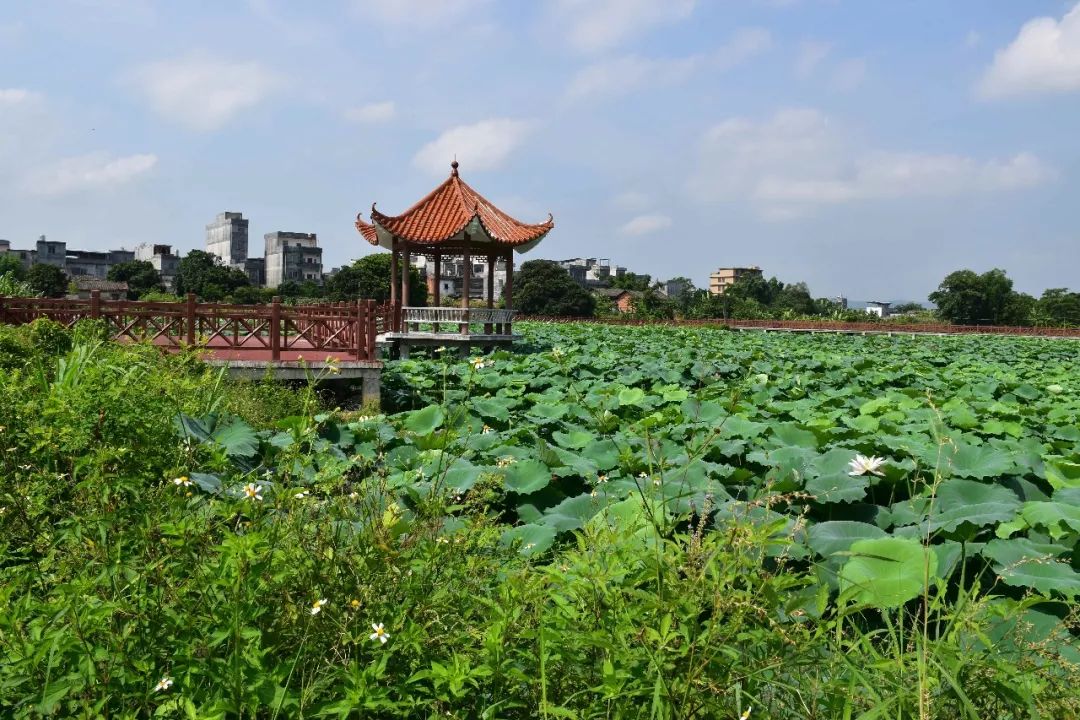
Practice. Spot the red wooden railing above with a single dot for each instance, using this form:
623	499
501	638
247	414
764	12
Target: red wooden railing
830	326
337	328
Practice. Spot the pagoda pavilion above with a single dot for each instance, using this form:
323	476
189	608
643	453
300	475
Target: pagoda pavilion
456	222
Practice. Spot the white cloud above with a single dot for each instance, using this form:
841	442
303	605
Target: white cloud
204	93
632	200
811	54
796	161
426	14
597	25
88	172
17	96
1044	58
743	45
623	75
646	224
372	113
849	74
481	146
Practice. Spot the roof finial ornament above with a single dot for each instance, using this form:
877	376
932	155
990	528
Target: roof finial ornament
454	166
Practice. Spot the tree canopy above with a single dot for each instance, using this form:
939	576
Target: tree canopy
10	264
369	278
965	297
203	274
48	280
543	287
140	276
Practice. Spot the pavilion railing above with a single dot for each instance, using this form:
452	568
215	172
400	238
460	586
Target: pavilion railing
454	320
347	327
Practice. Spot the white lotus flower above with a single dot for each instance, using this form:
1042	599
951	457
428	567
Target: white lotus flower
860	465
163	684
380	634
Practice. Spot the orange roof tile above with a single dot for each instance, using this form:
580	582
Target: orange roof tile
445	212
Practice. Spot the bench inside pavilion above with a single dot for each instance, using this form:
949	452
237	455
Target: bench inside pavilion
457	223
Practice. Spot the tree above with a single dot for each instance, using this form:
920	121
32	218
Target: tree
203	274
906	308
1058	306
48	280
631	281
966	298
542	287
10	264
369	279
140	276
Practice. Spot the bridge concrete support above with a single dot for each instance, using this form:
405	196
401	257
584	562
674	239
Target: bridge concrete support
359	379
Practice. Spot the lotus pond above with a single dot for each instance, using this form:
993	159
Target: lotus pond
605	522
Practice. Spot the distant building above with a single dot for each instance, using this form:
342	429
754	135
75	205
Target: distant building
92	263
292	257
82	285
591	272
675	287
50	252
876	307
841	301
724	278
451	277
227	237
255	269
164	261
623	299
95	264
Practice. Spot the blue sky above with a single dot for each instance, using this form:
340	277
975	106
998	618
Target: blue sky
863	146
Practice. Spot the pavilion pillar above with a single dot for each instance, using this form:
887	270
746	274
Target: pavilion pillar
466	282
436	290
508	290
406	266
490	289
394	305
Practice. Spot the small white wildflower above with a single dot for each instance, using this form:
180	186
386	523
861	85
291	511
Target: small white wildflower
746	714
181	481
302	494
860	465
478	363
253	491
442	540
530	546
380	633
163	684
354	495
317	606
601	479
487	429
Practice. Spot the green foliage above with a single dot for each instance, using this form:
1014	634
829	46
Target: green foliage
632	281
967	298
140	276
12	286
369	279
11	264
619	522
543	287
48	280
202	273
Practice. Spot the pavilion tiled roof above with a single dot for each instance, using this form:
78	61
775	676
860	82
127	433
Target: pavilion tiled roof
445	212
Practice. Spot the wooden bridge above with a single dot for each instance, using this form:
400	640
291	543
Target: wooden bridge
289	341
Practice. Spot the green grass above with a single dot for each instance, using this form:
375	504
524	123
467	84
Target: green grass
611	522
